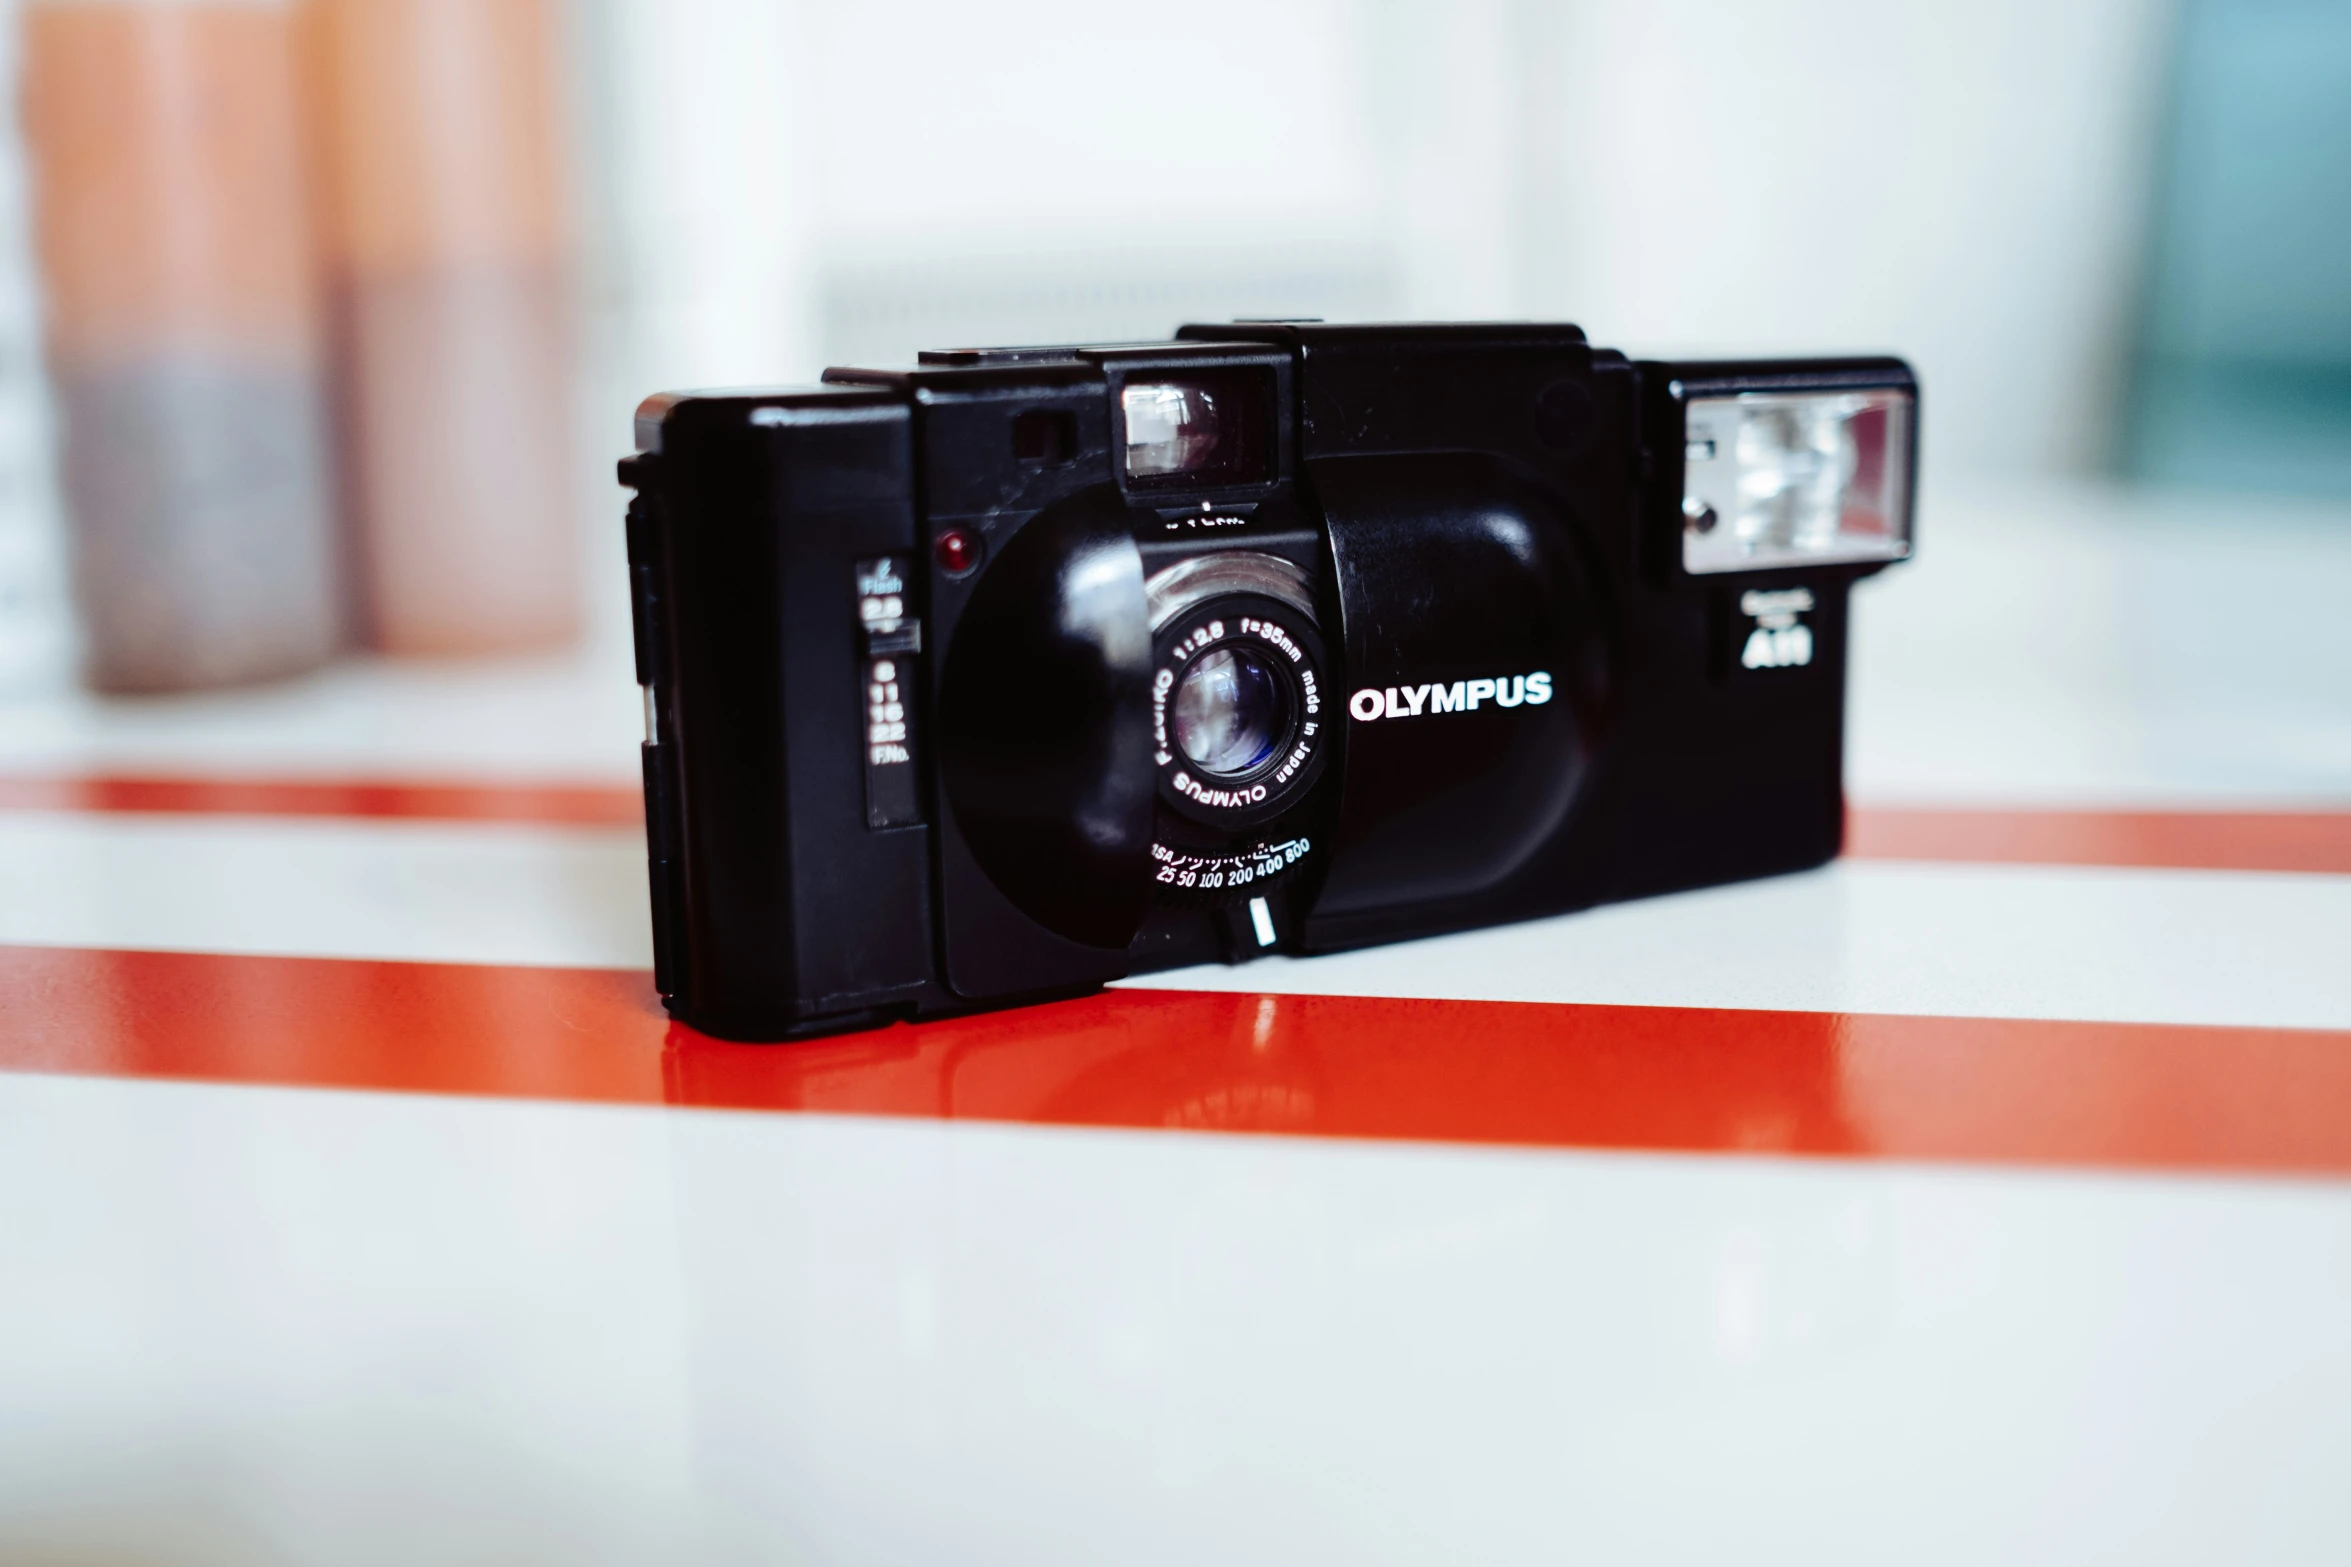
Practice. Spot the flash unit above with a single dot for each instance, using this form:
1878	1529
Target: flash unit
1780	474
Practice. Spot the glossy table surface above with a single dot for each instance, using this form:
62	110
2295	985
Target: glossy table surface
1985	1195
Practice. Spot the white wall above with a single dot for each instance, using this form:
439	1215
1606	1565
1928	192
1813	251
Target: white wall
700	194
1064	123
1959	180
919	167
773	185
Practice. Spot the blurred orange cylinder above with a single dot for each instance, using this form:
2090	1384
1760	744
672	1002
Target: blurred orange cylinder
442	172
178	261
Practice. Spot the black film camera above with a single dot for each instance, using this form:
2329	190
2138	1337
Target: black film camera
1026	669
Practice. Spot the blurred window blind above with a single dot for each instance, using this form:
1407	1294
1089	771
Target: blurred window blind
2244	373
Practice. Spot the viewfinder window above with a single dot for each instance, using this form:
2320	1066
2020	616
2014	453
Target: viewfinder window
1199	431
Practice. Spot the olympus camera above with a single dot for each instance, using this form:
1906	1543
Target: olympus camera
1023	670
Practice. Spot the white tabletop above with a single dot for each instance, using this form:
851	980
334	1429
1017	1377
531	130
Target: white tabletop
1934	1206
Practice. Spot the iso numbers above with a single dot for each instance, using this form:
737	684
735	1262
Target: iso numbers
1194	873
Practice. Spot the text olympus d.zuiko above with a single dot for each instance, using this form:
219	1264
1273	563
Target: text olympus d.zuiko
1462	696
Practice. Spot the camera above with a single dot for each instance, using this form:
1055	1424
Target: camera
1023	670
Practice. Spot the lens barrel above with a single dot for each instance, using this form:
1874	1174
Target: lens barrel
1240	694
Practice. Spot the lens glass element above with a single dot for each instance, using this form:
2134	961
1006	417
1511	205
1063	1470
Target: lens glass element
1231	712
1796	478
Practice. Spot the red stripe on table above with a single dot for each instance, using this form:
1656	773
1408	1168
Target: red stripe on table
570	804
2200	840
2187	840
2001	1091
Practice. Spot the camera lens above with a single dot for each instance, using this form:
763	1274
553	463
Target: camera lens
1231	712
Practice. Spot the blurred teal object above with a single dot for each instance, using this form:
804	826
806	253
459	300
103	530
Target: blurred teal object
2244	373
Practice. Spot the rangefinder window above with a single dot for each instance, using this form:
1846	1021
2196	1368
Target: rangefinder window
1202	431
1044	438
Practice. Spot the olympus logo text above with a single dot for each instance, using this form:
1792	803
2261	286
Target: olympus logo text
1462	696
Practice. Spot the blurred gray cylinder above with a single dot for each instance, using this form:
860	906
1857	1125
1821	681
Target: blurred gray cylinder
200	504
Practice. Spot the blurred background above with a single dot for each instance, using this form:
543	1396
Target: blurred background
321	322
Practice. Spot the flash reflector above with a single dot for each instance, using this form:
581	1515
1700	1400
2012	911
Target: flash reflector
1796	478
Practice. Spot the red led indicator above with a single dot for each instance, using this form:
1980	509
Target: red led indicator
957	551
